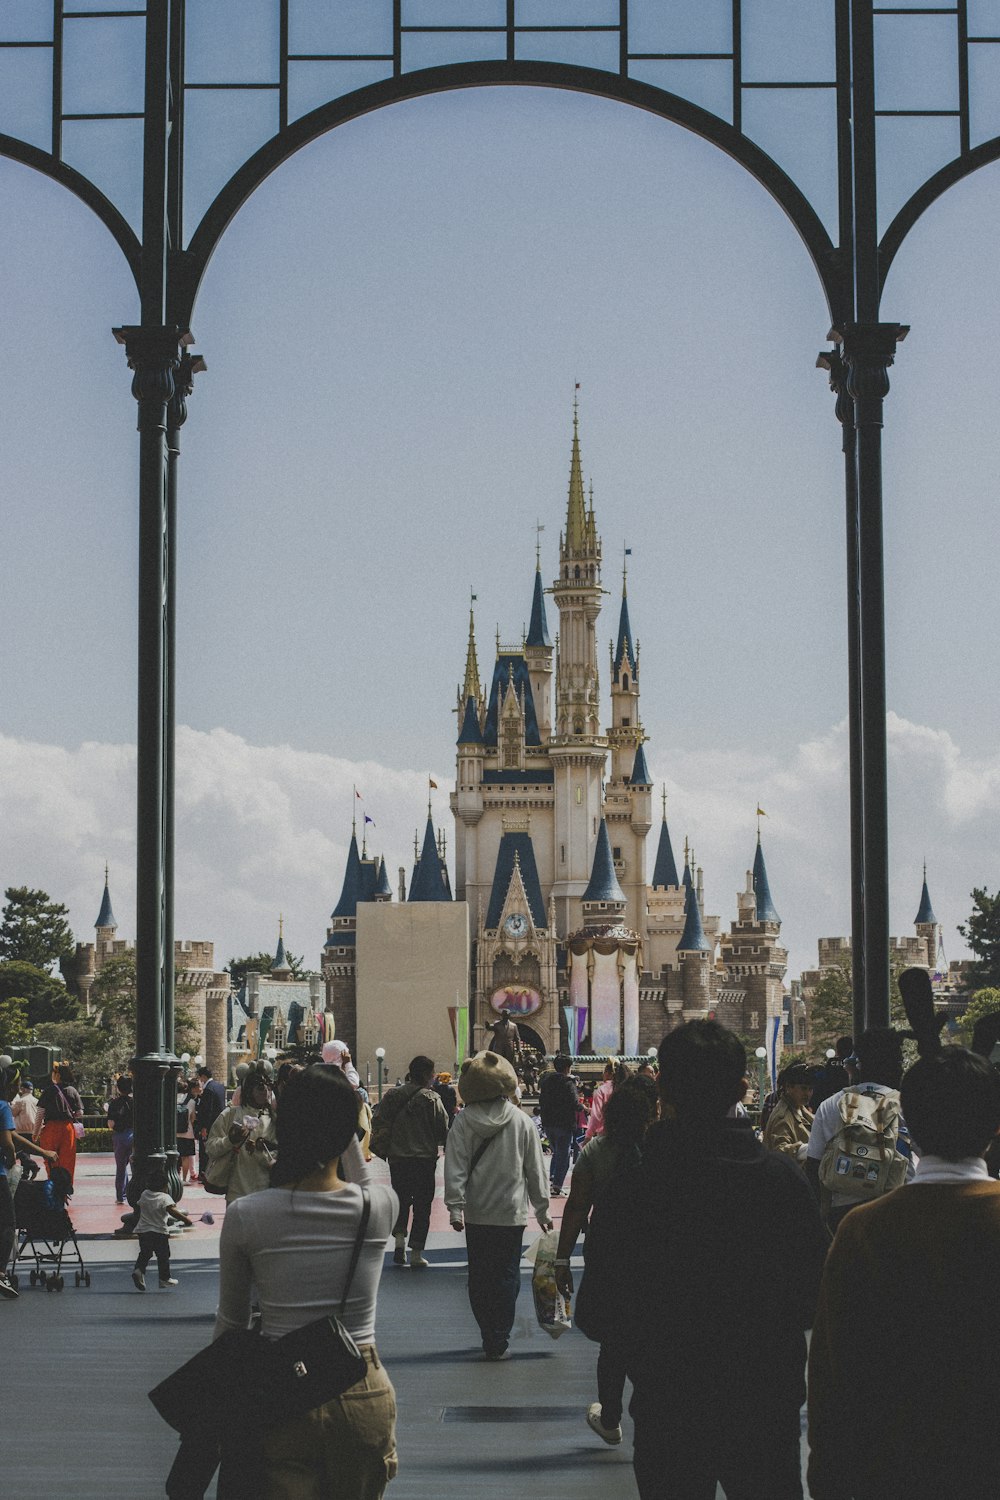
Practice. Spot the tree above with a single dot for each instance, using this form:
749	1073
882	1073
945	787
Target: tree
33	929
982	933
14	1029
983	1003
831	1013
113	993
259	963
46	998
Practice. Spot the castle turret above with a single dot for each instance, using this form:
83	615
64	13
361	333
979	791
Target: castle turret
105	927
604	900
539	655
755	961
665	869
281	968
927	925
428	883
467	798
695	954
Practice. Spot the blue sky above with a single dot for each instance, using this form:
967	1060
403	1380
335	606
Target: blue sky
393	325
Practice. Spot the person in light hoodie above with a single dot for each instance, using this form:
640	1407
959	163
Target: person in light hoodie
493	1170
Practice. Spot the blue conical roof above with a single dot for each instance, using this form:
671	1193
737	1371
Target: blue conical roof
348	904
640	771
603	880
538	628
926	912
693	939
383	888
765	906
280	964
106	917
625	648
470	732
427	884
686	877
665	869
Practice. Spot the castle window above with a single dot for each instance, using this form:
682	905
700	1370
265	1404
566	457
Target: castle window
562	854
626	720
625	682
754	1020
576	571
616	851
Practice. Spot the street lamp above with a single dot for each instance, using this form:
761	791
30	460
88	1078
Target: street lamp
380	1060
761	1056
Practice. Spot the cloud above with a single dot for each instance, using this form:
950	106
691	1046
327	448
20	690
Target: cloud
264	829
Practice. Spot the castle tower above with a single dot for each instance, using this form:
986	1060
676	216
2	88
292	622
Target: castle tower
577	749
695	954
538	654
467	798
755	961
105	927
428	883
281	968
927	925
628	792
605	960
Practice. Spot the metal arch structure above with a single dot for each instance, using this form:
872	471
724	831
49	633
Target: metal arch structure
704	65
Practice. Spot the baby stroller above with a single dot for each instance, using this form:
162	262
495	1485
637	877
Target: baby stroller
44	1230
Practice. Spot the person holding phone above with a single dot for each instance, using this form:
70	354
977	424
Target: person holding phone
246	1132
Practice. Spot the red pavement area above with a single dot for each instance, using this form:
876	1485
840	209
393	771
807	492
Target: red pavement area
95	1213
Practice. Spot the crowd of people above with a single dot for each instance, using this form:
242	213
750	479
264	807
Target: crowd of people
860	1206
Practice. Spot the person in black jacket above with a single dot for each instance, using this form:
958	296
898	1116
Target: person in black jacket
705	1261
207	1111
557	1103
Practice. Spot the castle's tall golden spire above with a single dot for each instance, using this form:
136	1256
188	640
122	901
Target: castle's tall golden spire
576	511
471	687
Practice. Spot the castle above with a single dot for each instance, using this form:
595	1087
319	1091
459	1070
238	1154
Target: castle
552	811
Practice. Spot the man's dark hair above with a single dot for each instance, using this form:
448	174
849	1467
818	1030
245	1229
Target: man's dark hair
880	1057
204	1072
421	1069
702	1066
951	1103
630	1111
316	1121
843	1047
562	1063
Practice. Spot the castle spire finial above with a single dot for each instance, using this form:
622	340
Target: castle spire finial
471	687
576	510
664	802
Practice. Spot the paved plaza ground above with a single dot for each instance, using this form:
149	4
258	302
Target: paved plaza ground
77	1421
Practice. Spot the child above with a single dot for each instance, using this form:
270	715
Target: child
156	1209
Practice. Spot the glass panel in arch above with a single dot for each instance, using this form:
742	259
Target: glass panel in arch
786	41
109	152
685	26
984	93
223	128
454	12
916	62
26	95
104	63
984	17
587	49
347	26
909	151
311	84
231	41
798	129
437	49
28	21
566	12
709	84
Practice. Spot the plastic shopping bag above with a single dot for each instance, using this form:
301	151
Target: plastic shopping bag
551	1307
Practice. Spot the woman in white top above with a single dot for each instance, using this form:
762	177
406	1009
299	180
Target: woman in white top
293	1244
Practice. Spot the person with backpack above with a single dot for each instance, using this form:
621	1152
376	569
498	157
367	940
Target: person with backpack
493	1168
557	1106
410	1128
859	1146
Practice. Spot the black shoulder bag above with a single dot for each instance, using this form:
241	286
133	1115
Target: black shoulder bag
280	1378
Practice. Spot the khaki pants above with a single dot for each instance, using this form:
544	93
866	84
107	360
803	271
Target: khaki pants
345	1448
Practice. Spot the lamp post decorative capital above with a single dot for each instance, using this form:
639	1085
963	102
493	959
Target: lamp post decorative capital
832	361
153	353
867	351
188	367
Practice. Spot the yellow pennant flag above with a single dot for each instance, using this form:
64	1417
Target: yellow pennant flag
433	783
761	813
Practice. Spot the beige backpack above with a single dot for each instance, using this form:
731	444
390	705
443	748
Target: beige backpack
863	1160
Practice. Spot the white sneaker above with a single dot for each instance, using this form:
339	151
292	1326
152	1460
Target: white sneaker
417	1259
610	1435
169	1281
